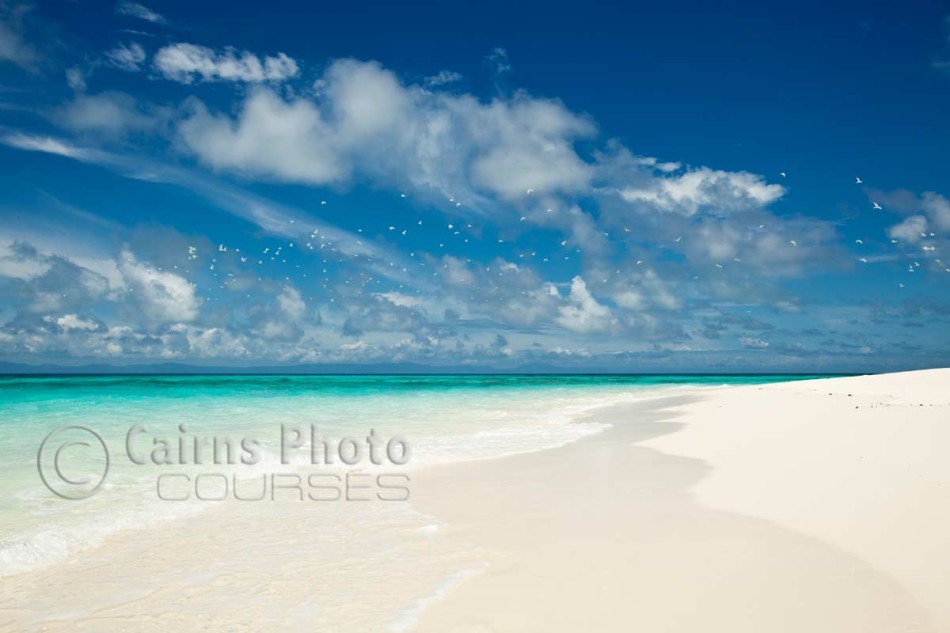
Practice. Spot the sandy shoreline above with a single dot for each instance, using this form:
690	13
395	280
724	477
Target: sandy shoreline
757	508
625	543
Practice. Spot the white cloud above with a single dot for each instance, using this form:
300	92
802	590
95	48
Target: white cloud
937	209
583	313
750	342
187	63
45	144
717	191
74	322
128	57
650	161
165	297
442	78
271	138
366	122
911	230
647	290
136	10
291	303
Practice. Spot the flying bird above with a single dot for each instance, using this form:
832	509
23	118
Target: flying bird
877	207
782	174
858	181
793	242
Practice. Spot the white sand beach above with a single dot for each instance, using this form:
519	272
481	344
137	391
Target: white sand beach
818	506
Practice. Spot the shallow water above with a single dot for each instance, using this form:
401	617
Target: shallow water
441	418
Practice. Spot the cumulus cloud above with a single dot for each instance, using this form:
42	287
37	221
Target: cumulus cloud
136	10
929	208
164	296
40	282
128	57
937	208
583	313
751	342
284	323
912	229
366	122
75	322
271	138
291	303
187	63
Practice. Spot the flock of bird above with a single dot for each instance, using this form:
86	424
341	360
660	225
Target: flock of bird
379	269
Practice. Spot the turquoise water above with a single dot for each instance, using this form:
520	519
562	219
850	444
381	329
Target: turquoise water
443	419
46	387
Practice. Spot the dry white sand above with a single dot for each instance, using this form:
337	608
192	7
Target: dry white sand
767	509
763	508
862	464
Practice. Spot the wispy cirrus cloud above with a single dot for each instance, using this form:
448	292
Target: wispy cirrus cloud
442	78
128	57
140	11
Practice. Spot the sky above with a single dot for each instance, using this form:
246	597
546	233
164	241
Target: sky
626	187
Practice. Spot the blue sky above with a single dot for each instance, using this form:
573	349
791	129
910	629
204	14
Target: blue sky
507	185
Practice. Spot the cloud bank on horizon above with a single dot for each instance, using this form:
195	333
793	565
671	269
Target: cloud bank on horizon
171	199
